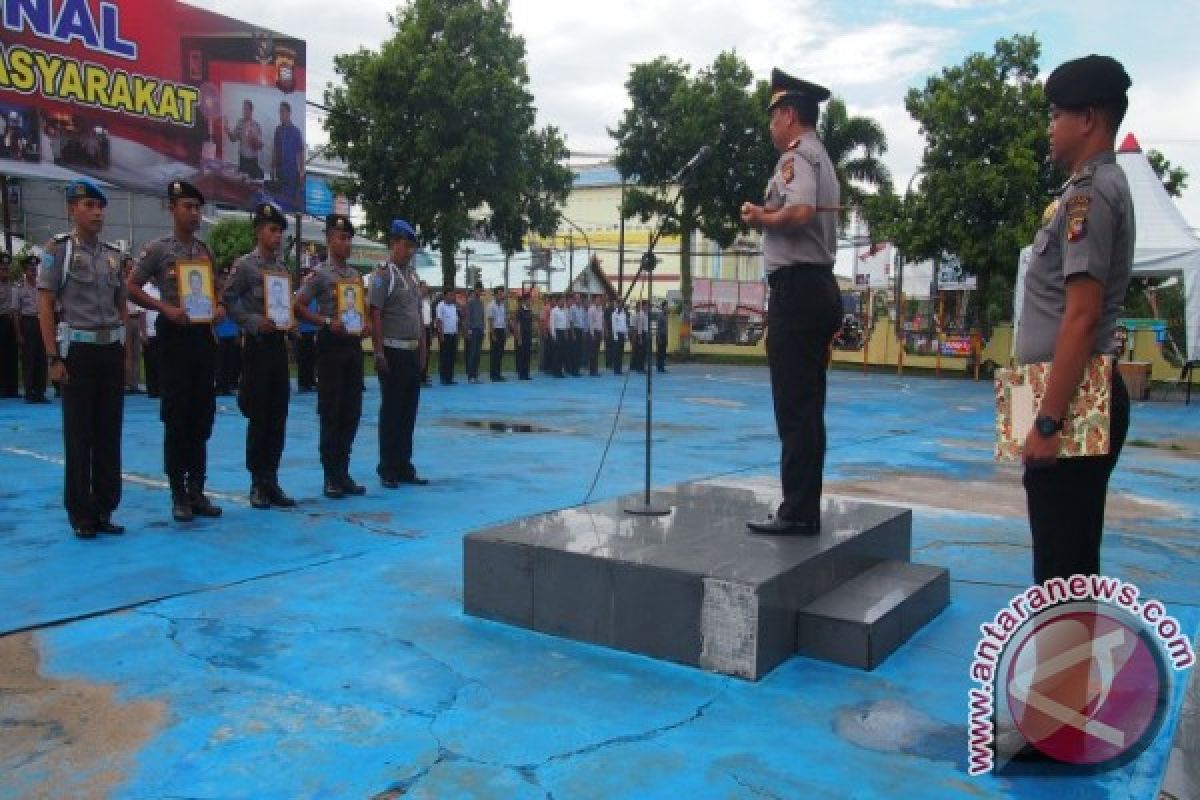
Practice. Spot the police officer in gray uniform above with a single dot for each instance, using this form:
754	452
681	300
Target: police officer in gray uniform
266	383
397	331
29	334
339	358
82	275
1074	291
187	351
799	226
9	329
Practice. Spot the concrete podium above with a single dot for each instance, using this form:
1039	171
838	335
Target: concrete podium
699	589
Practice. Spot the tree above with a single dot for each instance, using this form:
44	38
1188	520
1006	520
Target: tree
983	186
854	145
439	123
671	116
231	238
1174	178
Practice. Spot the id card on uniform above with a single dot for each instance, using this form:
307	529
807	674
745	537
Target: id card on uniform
1086	430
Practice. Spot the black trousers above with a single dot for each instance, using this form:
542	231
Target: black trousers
306	361
401	395
575	348
805	311
93	408
559	353
474	350
428	349
33	358
546	359
660	355
150	362
594	353
8	353
496	365
523	353
618	356
263	399
1066	503
339	399
229	363
610	351
447	355
187	376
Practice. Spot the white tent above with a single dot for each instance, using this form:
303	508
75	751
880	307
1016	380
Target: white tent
1165	244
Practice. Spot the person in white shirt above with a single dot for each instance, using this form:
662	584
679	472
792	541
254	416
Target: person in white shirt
497	320
447	331
560	328
427	327
620	329
595	318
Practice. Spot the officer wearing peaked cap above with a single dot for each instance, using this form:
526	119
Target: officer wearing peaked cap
266	382
798	221
186	349
81	275
1079	270
339	354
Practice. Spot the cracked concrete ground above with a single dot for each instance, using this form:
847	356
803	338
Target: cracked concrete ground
324	653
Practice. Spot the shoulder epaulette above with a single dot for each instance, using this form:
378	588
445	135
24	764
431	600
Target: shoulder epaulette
111	246
61	237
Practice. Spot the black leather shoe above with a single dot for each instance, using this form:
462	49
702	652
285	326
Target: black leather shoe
278	497
85	531
415	480
781	526
181	508
106	525
201	505
333	489
352	488
258	497
389	483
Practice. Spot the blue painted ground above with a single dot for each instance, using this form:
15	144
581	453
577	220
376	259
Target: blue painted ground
324	653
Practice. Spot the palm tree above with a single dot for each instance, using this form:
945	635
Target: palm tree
854	145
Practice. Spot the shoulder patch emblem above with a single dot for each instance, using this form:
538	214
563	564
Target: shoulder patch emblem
789	170
1077	211
1048	214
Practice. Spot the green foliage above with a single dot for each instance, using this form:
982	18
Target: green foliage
854	145
1174	178
439	122
672	115
231	238
984	183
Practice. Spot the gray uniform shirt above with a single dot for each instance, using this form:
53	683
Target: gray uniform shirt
475	314
26	300
93	295
322	285
244	297
159	262
1088	231
803	176
396	292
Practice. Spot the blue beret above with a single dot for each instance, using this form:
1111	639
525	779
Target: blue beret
81	188
401	227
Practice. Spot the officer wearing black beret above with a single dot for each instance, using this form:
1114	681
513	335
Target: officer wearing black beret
185	347
1079	270
798	221
339	353
266	381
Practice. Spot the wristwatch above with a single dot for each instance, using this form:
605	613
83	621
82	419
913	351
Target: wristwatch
1047	426
326	322
53	358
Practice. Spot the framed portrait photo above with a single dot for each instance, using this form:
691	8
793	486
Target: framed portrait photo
277	299
351	306
197	296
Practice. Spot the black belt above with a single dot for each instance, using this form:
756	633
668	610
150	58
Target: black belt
794	268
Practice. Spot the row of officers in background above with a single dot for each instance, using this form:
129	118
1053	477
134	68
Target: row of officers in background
83	304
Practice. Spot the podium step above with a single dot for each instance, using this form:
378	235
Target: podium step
863	621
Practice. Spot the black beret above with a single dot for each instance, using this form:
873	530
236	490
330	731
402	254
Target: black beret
265	213
785	87
1089	81
339	222
178	190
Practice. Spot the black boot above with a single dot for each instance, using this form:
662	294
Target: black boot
333	487
277	495
349	486
259	498
201	505
181	509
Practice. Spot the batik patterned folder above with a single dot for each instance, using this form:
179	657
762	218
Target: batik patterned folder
1019	394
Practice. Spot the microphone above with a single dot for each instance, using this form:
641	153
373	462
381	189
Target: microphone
702	155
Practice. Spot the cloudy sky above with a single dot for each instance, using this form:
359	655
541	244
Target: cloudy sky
868	51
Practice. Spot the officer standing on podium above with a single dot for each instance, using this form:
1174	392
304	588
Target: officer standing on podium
266	383
799	229
339	357
82	274
188	351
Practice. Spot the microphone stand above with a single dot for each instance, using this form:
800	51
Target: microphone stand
648	262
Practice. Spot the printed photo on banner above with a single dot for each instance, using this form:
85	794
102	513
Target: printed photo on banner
351	309
277	288
196	290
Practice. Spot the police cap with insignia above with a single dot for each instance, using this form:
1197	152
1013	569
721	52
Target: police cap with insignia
1089	81
265	214
338	222
82	188
179	190
400	229
786	88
